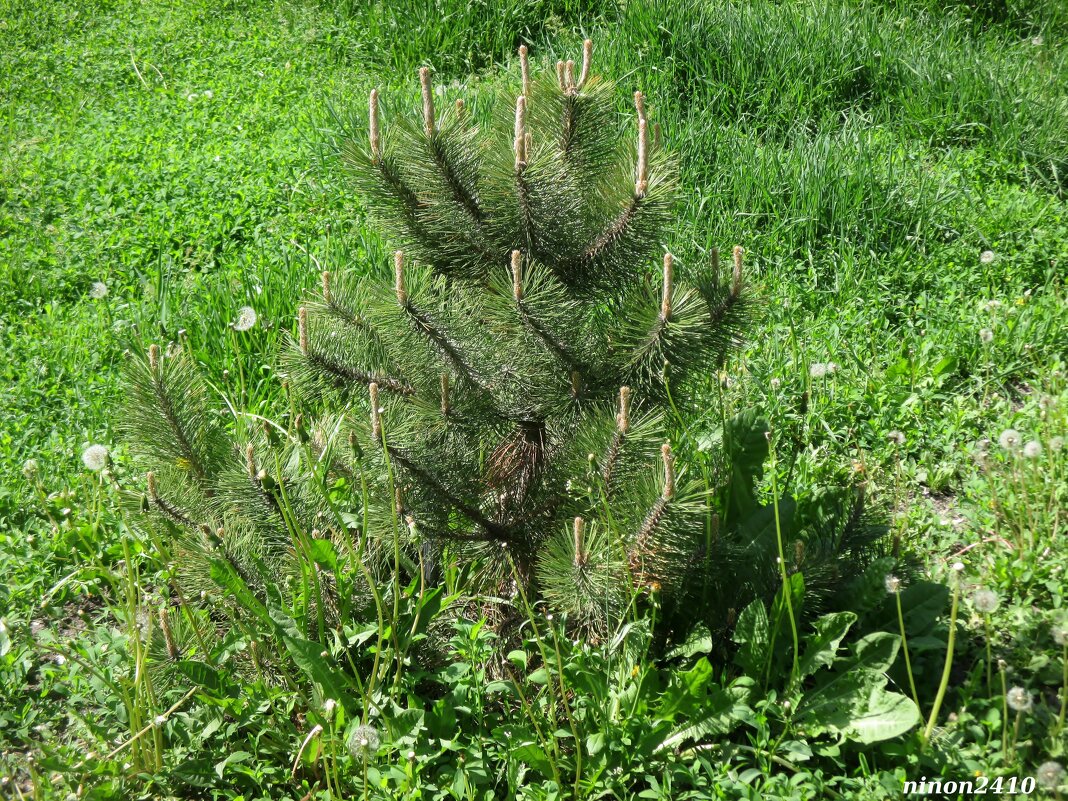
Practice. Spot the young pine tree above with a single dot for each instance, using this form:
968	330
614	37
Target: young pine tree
518	366
499	396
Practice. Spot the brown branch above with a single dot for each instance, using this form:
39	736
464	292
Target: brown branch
493	529
612	234
559	349
343	373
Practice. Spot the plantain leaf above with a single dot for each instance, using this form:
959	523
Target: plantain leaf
224	574
754	636
202	674
822	646
308	656
727	708
853	701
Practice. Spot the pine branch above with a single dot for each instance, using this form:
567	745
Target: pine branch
613	234
558	348
446	347
344	376
169	510
166	408
427	479
462	195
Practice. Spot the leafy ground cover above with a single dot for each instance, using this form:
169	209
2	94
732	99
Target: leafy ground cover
896	172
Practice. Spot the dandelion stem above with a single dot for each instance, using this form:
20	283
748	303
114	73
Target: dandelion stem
786	588
948	667
905	650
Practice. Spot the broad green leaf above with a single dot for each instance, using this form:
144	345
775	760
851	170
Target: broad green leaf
224	574
406	725
235	757
746	446
594	743
753	634
727	708
539	676
323	553
699	642
853	702
308	656
887	715
821	646
533	755
202	674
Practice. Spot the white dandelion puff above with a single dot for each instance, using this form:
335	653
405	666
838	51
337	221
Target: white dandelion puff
986	335
1056	444
1050	775
1009	439
98	290
363	741
958	567
246	318
1032	450
328	708
986	257
1019	700
1060	633
817	370
985	601
95	457
209	94
892	584
896	437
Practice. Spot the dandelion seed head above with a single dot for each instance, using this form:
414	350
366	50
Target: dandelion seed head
246	318
98	290
896	437
1009	439
992	305
1033	449
986	335
817	370
1019	700
986	257
1056	444
1036	41
985	601
1050	775
1060	633
892	584
775	382
95	457
363	741
209	94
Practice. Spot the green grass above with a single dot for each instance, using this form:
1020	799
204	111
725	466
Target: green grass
864	153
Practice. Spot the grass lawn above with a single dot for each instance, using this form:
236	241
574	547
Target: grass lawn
896	171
